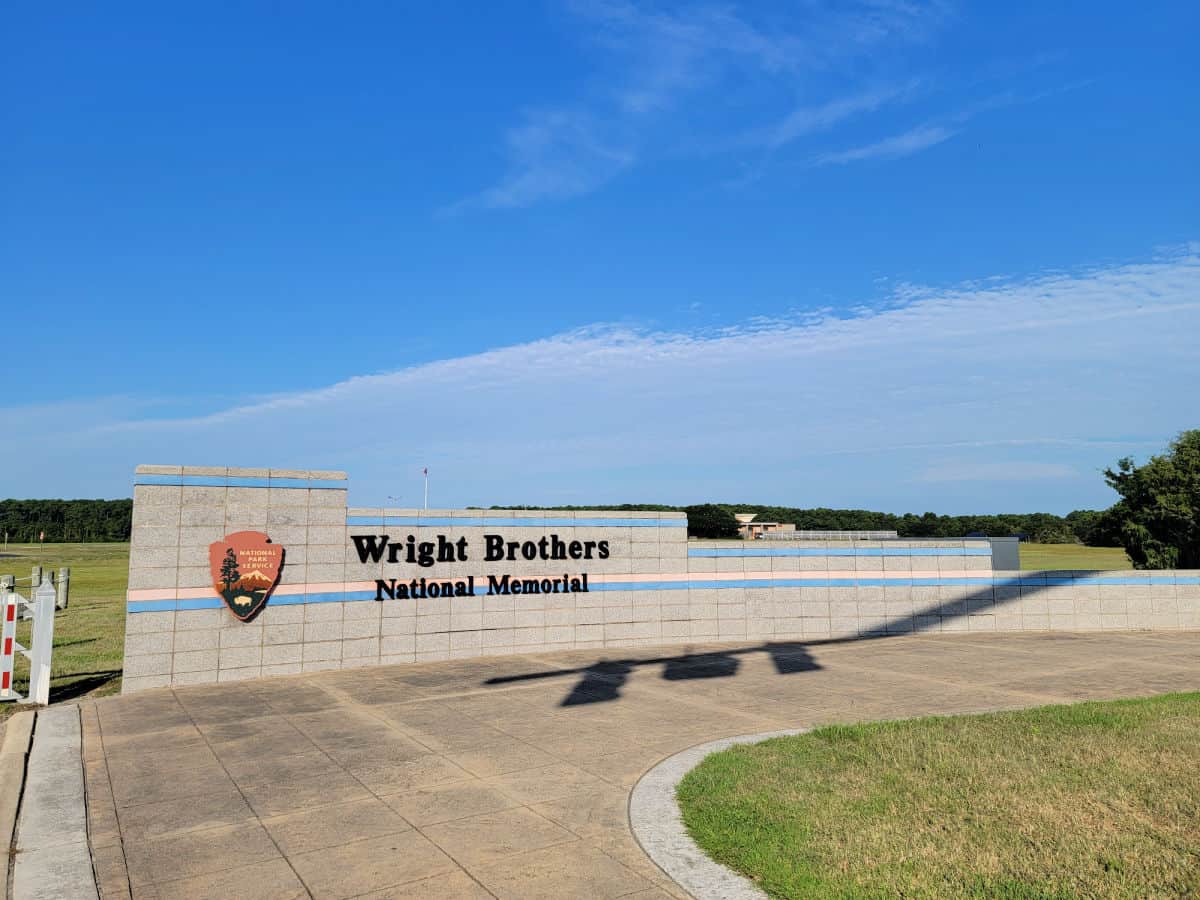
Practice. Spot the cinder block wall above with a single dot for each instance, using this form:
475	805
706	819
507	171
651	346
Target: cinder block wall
655	587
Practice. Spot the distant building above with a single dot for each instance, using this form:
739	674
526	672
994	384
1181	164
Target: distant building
752	531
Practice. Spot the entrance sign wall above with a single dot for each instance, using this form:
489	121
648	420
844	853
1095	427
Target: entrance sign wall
319	585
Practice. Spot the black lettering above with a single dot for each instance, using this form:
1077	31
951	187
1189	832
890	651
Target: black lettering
514	547
445	551
548	585
369	547
576	550
603	548
461	544
558	549
394	552
529	586
588	547
425	554
493	547
385	587
529	550
498	585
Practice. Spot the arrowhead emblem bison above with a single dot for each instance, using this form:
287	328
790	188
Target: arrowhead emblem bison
245	569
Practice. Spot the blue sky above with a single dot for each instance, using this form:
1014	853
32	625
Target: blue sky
902	256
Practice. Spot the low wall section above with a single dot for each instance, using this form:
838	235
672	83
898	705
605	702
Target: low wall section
650	586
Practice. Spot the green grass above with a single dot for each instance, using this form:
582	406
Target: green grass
1072	556
89	636
1086	800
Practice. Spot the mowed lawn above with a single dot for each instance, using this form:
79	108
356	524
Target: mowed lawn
1086	800
1073	556
89	636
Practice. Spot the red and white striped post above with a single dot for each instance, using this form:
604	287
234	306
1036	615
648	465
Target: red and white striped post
8	641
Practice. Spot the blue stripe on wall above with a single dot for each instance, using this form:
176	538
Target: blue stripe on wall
497	522
140	606
722	552
238	481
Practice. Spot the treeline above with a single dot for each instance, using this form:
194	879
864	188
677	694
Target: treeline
109	520
1084	526
66	521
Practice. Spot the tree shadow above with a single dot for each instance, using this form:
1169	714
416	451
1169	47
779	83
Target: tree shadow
84	683
601	682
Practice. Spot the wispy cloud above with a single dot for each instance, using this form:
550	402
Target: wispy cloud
655	61
1026	379
555	155
1000	471
913	141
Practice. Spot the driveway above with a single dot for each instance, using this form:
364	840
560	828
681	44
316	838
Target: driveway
509	777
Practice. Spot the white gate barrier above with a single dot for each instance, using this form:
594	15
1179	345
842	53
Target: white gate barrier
41	608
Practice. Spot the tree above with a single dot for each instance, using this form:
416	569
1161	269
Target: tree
1158	515
229	569
711	521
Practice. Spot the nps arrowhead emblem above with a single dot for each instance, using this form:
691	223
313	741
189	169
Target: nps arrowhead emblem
245	569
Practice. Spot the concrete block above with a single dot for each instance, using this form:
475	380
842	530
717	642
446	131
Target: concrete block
292	633
196	639
323	631
166	516
146	622
146	579
290	614
401	625
194	576
195	661
147	664
321	651
241	634
323	665
152	642
472	621
132	683
438	642
398	645
239	674
204	676
433	624
323	612
281	669
353	629
329	498
143	557
157	495
327	515
280	654
239	657
360	647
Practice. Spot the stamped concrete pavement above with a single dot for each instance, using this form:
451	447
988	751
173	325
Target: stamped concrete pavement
509	777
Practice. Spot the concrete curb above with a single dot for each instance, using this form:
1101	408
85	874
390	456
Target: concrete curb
658	826
53	858
18	731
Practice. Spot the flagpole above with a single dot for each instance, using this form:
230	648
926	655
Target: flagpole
426	471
